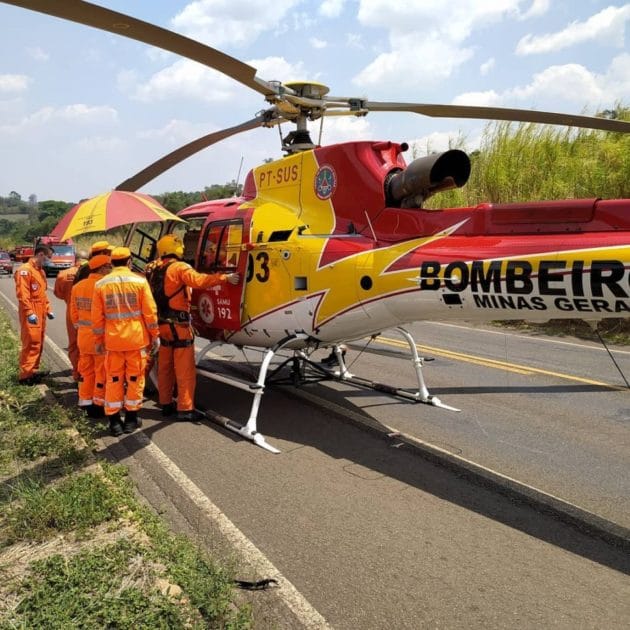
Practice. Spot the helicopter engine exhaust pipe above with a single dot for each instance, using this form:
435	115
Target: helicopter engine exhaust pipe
426	176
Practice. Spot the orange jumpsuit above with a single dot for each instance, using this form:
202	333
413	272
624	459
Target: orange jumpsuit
30	289
176	358
124	320
63	287
91	365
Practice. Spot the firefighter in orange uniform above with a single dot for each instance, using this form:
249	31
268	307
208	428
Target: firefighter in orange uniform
176	358
91	364
63	287
124	323
100	247
33	309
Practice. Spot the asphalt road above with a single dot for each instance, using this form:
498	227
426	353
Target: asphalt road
373	535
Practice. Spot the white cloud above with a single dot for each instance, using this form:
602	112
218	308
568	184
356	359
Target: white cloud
278	68
184	79
538	8
318	43
487	66
50	116
480	99
427	40
569	83
342	129
432	59
439	141
12	83
87	114
331	8
615	84
354	40
606	27
220	22
187	79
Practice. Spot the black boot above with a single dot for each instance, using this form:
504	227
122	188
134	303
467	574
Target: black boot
168	409
97	411
132	422
115	425
190	416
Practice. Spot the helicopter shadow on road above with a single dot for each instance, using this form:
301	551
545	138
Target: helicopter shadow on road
290	423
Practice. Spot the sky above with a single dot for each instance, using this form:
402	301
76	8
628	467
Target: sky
81	110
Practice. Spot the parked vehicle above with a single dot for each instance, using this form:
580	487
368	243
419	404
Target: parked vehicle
6	264
63	254
21	253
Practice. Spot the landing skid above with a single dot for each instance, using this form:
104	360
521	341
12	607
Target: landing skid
300	364
249	429
302	370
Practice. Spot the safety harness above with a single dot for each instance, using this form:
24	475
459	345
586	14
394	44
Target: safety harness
167	315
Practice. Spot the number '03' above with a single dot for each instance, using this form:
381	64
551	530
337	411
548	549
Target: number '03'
259	267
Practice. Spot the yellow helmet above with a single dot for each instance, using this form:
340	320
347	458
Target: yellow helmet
170	245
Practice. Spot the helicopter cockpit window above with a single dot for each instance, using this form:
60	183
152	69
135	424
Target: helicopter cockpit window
190	233
142	246
221	249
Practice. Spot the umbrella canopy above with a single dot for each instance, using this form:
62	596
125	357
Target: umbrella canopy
110	210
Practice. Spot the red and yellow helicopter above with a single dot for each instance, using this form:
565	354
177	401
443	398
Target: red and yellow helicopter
333	243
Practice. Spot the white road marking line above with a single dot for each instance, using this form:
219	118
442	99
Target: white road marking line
252	555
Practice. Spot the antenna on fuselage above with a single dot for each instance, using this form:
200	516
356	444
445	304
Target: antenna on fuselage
238	176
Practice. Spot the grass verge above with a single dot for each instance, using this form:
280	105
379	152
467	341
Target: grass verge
77	549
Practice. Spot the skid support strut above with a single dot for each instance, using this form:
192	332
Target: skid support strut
422	394
249	430
340	372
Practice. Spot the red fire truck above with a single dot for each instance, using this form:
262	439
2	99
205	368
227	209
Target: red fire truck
63	256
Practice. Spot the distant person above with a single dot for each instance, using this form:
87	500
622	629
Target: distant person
91	363
63	287
124	323
33	309
171	280
100	247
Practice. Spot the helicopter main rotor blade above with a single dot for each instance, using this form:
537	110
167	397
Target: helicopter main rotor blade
175	157
127	26
501	113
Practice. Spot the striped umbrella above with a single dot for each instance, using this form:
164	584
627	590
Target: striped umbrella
110	210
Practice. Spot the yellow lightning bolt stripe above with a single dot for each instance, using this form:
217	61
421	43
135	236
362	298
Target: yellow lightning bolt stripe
290	184
336	279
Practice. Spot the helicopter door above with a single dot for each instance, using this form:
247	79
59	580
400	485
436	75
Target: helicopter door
221	252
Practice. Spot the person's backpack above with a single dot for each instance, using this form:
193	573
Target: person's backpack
156	275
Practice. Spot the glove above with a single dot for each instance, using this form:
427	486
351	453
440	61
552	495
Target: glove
50	316
32	318
233	278
155	345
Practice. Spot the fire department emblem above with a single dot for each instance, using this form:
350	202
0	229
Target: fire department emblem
325	182
206	309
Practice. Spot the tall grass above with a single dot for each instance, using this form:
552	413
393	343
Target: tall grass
530	162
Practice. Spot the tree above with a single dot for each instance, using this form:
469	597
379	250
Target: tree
14	198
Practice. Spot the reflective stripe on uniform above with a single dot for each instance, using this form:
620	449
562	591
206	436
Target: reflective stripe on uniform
120	280
128	315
